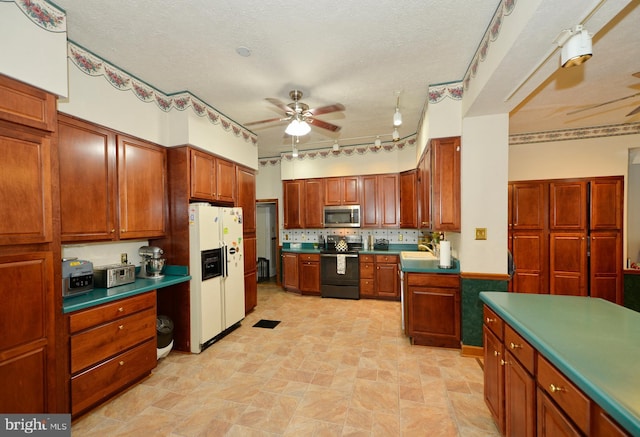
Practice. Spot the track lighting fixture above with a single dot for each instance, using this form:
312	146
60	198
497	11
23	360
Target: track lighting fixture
294	153
396	135
576	46
377	142
336	146
397	116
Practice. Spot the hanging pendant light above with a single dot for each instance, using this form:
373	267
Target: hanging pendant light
397	117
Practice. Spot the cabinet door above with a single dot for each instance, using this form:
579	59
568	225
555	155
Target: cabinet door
290	271
142	182
309	277
27	323
494	376
387	279
313	213
519	399
528	205
350	190
605	272
568	205
369	207
26	105
568	263
293	204
445	165
528	250
435	318
424	190
606	203
333	191
551	422
87	156
250	291
408	200
246	199
225	181
203	175
388	204
25	188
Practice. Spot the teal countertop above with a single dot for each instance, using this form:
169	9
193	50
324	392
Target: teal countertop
429	266
172	275
595	343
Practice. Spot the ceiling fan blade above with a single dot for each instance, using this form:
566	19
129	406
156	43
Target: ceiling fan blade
324	124
266	121
634	112
280	105
602	104
636	74
326	109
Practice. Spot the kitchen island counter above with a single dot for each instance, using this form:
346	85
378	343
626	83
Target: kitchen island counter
98	296
591	341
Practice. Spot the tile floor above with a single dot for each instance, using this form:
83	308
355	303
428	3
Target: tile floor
330	368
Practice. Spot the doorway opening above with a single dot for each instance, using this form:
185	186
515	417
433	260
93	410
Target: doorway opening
267	236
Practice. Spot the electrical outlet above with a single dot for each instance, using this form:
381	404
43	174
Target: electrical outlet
124	258
400	237
481	233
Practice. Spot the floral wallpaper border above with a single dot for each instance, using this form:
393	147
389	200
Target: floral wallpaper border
575	134
46	15
437	93
357	149
93	65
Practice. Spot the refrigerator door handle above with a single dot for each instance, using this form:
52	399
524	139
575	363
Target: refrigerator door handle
225	256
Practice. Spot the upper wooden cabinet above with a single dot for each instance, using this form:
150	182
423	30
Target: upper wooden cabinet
445	179
380	207
124	180
293	199
342	191
212	178
246	198
527	209
313	212
408	199
606	203
424	190
27	106
568	205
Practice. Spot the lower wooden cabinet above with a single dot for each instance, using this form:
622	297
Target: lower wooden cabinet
112	346
379	276
529	396
367	269
309	273
290	271
433	309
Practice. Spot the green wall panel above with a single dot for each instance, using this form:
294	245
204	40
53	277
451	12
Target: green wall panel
632	292
472	307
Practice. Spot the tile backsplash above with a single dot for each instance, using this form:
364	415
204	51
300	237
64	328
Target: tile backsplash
395	236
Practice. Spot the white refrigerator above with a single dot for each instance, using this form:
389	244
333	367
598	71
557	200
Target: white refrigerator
216	303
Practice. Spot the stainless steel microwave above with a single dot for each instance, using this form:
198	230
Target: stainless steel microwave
343	216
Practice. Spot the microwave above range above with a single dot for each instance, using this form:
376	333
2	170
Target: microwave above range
344	216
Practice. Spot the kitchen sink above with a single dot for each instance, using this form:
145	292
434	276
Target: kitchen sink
417	255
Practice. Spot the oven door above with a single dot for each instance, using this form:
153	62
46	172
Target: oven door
329	270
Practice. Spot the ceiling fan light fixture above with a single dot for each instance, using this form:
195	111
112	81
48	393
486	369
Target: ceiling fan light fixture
298	128
577	49
397	117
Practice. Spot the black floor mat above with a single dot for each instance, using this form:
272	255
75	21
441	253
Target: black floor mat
264	323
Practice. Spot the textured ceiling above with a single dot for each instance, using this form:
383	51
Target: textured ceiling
358	53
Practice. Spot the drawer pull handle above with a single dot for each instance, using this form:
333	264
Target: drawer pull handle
120	309
515	346
503	362
121	327
490	320
121	363
555	388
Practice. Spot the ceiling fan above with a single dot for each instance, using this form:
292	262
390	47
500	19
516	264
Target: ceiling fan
300	115
634	112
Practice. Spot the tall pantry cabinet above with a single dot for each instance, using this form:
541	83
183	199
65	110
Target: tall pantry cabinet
566	236
31	348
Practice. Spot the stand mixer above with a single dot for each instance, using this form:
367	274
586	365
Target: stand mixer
152	262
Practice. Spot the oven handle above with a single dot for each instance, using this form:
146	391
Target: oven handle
334	255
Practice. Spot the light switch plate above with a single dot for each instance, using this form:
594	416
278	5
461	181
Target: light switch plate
481	233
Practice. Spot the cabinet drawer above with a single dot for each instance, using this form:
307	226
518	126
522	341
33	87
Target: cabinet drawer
366	258
367	287
104	341
309	257
105	313
97	383
569	397
366	270
433	280
493	322
519	348
387	259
